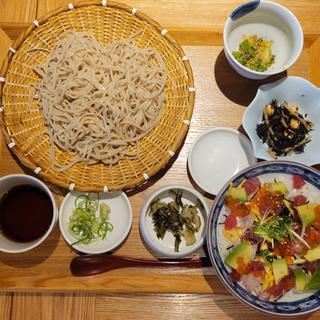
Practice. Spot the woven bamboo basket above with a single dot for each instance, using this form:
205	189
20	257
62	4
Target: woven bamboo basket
23	127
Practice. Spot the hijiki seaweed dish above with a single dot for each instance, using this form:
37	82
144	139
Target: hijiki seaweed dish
284	129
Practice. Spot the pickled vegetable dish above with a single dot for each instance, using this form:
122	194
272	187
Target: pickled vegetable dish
271	236
255	53
284	129
182	220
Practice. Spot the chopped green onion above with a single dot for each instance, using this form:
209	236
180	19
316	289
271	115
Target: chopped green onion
84	225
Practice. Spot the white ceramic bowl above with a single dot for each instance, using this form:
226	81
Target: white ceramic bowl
217	155
268	20
120	216
293	90
7	183
164	248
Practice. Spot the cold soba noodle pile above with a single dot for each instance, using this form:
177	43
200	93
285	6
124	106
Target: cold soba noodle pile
98	101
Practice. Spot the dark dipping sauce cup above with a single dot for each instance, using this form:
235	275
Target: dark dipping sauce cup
28	213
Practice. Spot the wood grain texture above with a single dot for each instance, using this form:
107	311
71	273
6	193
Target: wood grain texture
18	11
197	22
177	307
5	305
221	98
5	43
13	29
202	14
315	62
183	36
31	306
201	21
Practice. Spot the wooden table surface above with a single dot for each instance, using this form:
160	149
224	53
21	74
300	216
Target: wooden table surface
37	285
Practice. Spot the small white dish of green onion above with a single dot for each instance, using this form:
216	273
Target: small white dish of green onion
95	222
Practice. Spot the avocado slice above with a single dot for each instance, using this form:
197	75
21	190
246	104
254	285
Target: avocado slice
314	283
238	193
280	269
313	254
278	187
300	278
243	250
306	213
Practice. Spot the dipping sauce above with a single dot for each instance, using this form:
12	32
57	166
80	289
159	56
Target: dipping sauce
26	213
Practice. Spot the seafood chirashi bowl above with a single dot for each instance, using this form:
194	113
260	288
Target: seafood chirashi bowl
264	237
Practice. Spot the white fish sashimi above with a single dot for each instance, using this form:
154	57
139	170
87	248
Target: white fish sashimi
250	282
246	222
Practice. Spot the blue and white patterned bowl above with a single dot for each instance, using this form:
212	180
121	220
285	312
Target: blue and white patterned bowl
298	307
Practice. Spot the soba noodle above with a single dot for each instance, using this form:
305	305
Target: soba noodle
98	101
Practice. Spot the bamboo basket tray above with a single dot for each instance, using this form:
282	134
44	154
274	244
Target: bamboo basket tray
23	127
